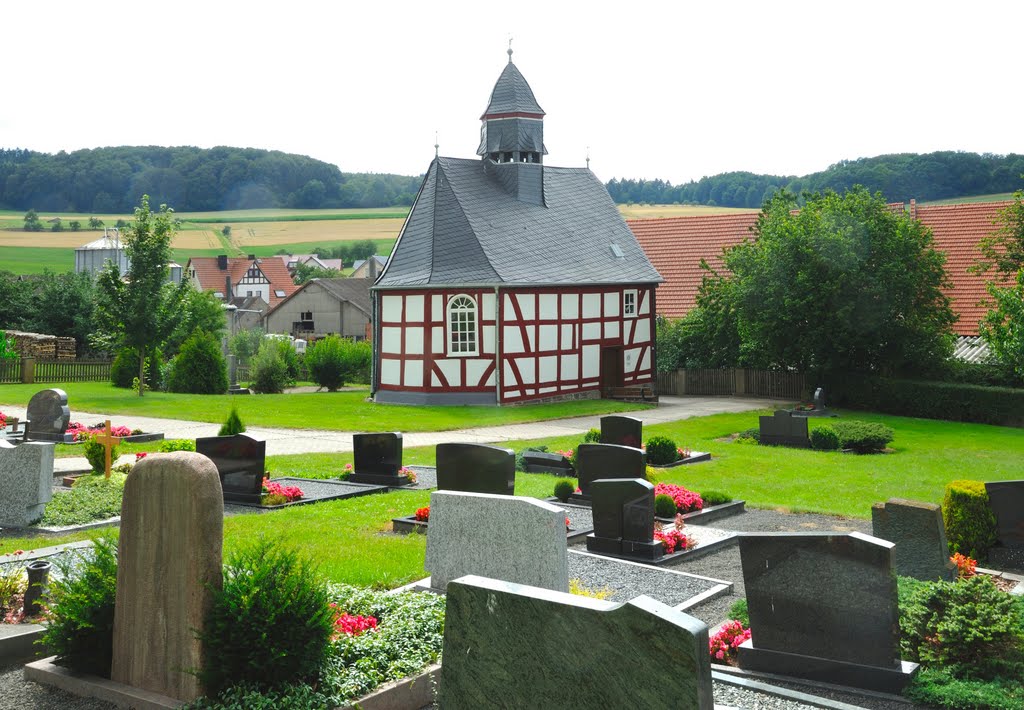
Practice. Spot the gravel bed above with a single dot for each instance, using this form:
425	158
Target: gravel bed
426	477
746	699
581	517
18	694
627	580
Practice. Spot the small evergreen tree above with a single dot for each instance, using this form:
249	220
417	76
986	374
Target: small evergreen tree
199	367
232	425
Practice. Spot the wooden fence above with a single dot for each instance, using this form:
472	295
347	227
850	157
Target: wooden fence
29	370
10	371
736	381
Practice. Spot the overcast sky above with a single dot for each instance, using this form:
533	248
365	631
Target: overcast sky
673	90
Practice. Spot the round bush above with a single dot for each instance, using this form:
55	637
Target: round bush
564	489
199	367
96	455
661	450
970	523
332	361
824	438
863	437
664	506
593	436
268	373
715	497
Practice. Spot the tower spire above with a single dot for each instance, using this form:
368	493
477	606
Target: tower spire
437	145
510	49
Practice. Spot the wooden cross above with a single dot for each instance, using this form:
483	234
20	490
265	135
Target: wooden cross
109	441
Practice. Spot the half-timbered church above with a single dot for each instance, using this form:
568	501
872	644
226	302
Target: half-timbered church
512	280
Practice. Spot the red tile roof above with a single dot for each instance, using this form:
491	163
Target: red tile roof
211	277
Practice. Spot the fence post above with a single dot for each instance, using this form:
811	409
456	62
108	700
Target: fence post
28	370
739	386
680	382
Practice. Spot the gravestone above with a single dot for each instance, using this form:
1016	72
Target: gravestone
26	482
1006	500
241	462
917	530
783	429
508	641
475	468
48	416
168	568
594	461
377	459
623	431
514	539
623	519
823	607
545	462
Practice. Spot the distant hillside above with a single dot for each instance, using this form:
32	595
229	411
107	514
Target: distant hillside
899	177
111	180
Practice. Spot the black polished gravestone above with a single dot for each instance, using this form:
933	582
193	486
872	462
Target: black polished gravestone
623	431
820	410
823	607
476	468
48	416
1006	500
623	519
377	459
594	461
544	462
783	429
241	463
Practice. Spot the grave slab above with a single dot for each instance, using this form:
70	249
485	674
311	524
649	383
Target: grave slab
917	530
783	429
594	461
476	468
26	482
546	462
48	416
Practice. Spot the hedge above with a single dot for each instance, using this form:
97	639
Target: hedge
931	400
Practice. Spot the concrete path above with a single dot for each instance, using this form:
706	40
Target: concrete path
299	441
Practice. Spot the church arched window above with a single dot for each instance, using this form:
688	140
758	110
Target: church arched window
462	328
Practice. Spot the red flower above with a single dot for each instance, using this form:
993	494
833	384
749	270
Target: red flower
290	493
139	456
423	514
351	625
567	524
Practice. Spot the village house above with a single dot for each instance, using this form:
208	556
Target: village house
251	286
322	307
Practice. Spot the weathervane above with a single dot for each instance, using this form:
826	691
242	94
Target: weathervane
510	49
588	157
437	145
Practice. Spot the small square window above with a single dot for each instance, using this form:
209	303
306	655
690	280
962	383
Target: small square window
629	303
279	293
308	315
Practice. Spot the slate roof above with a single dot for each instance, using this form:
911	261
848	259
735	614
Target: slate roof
465	229
211	278
511	94
355	291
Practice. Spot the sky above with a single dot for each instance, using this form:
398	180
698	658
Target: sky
670	90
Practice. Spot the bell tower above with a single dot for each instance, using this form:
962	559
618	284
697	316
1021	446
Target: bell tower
513	123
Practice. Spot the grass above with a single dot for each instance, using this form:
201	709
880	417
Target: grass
35	260
336	411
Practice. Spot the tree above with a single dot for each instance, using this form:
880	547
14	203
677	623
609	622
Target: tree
57	225
95	223
245	343
32	223
141	310
1003	325
199	311
62	304
845	284
1003	250
308	272
75	225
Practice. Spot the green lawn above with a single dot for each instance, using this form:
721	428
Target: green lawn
35	260
337	411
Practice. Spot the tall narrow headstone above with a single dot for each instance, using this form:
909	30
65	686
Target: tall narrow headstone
48	416
623	511
476	468
507	641
594	461
623	431
169	564
26	482
504	537
917	530
241	462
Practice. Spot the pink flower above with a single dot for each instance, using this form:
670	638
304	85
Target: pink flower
686	500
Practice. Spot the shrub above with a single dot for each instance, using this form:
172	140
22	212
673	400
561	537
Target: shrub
564	489
738	611
80	621
753	434
326	362
270	624
268	373
232	425
715	497
593	436
661	450
92	498
863	437
970	523
169	445
685	500
939	687
824	438
286	350
664	506
199	367
125	368
96	454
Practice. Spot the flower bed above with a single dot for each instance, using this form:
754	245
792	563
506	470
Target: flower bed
686	500
78	433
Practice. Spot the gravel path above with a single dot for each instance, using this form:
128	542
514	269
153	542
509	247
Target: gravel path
16	693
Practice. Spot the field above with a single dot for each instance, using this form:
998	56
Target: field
658	211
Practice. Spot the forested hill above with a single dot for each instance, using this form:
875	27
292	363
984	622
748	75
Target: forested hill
899	177
111	180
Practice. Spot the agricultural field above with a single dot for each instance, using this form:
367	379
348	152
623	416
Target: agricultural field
657	211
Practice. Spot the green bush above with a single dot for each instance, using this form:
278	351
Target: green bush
125	368
824	438
270	624
199	367
970	523
661	450
521	462
715	498
752	434
80	622
96	454
564	489
738	611
232	425
593	436
333	361
92	498
664	506
268	373
862	437
286	350
938	687
169	445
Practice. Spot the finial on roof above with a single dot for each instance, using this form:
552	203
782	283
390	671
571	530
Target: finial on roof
437	145
510	50
588	157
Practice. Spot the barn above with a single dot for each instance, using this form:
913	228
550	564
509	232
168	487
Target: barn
511	280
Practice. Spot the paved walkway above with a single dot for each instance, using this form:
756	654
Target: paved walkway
300	441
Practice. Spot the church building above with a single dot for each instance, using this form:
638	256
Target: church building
512	280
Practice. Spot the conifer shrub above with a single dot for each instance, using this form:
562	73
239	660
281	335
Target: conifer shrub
232	425
661	450
970	523
268	373
564	489
199	367
593	436
863	437
715	497
824	438
664	506
96	455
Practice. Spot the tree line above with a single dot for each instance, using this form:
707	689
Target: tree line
899	177
110	180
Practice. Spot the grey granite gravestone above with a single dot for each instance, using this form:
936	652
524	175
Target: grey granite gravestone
504	537
241	462
475	468
594	461
505	645
26	482
623	510
377	459
917	530
48	416
624	431
823	607
784	429
168	570
1006	500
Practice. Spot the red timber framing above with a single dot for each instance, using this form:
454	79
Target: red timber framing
532	343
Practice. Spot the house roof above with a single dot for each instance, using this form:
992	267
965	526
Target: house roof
212	278
105	242
355	291
511	94
466	228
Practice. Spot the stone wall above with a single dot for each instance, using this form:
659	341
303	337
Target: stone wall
43	347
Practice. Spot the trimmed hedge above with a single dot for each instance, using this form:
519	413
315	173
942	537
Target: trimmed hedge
931	400
824	438
862	437
970	523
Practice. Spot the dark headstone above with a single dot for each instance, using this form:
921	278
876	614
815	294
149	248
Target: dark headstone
623	431
48	416
476	468
377	459
1006	499
917	530
624	518
823	606
241	462
544	462
783	429
594	461
819	398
